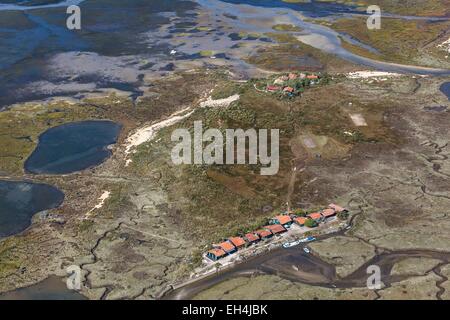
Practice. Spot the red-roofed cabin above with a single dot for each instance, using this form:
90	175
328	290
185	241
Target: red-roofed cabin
312	76
328	213
251	238
288	89
316	216
284	220
276	228
227	246
273	88
336	208
216	254
264	234
300	221
238	242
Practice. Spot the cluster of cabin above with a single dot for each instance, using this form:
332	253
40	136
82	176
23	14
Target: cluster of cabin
277	225
293	84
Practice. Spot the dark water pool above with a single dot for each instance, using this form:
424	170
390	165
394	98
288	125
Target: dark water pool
445	89
19	201
52	288
73	147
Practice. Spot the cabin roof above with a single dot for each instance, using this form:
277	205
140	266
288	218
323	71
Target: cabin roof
237	241
336	207
275	228
315	215
283	219
227	246
263	233
328	212
300	220
217	252
251	237
274	88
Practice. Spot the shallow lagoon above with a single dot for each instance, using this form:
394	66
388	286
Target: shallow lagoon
445	89
73	147
19	201
312	9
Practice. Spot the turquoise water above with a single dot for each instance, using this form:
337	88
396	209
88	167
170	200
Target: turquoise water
73	147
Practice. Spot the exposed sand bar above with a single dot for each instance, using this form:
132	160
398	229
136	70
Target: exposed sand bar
146	134
219	102
371	74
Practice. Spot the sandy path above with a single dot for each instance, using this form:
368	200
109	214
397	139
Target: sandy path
105	195
148	133
220	102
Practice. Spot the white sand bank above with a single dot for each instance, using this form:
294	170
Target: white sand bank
371	74
148	133
105	195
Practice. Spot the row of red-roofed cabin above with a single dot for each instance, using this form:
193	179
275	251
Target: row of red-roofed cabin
279	224
325	214
233	244
331	211
318	217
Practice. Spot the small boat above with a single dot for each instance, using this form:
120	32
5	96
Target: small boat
306	250
308	239
291	244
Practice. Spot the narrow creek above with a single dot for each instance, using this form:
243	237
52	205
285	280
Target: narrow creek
294	265
254	17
